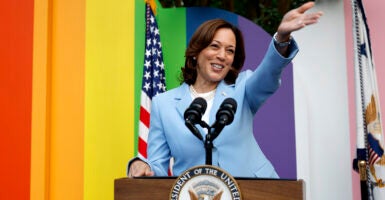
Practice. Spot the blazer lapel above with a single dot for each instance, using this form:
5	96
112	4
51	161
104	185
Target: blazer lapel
223	91
182	99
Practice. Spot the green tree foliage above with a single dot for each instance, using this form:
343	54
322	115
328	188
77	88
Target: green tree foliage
265	13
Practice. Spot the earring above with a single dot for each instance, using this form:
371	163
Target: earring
194	58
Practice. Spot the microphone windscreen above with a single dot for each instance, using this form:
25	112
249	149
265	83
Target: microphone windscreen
199	103
230	103
195	111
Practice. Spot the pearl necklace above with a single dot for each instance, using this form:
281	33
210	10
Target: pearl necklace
207	95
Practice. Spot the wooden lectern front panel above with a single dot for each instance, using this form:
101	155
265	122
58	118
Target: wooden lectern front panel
251	189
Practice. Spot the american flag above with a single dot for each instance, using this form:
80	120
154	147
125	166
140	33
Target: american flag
153	80
370	138
375	149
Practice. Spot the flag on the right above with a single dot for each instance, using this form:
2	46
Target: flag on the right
370	138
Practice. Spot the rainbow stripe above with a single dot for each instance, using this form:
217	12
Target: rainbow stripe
16	41
74	130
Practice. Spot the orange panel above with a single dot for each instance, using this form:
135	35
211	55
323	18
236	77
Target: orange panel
41	100
66	143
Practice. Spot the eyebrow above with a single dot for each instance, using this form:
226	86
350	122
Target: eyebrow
221	43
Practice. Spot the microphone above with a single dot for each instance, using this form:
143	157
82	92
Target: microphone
225	115
193	115
195	111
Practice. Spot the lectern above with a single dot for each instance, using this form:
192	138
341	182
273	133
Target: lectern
158	188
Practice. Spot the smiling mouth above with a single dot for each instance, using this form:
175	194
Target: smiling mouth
217	66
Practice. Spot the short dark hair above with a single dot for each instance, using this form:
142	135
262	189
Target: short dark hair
202	38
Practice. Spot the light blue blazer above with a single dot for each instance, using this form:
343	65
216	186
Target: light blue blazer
235	149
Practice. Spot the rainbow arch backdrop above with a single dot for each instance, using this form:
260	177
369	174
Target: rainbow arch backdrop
70	77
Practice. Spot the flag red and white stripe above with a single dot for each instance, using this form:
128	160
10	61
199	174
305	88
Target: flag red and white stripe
153	80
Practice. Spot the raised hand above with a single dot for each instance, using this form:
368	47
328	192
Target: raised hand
297	19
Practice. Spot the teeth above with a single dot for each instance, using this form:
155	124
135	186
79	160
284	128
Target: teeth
218	66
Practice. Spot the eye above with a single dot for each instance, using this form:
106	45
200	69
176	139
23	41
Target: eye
231	51
215	46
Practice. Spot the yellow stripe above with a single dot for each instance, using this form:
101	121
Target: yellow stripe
67	100
109	95
40	103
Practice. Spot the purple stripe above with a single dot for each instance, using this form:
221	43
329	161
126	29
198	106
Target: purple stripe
274	126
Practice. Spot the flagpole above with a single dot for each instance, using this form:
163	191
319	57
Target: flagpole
370	139
362	154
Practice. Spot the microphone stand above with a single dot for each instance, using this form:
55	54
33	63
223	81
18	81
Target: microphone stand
210	136
208	143
225	116
209	149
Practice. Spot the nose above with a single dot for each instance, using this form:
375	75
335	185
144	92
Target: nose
221	54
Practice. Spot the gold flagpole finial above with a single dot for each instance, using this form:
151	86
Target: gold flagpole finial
362	170
152	4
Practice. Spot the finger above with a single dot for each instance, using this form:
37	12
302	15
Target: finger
305	7
315	15
149	173
312	18
136	171
130	173
140	170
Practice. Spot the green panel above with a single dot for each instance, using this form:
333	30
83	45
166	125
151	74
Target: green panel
140	28
172	27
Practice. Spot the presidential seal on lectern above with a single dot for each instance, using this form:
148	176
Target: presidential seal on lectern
205	182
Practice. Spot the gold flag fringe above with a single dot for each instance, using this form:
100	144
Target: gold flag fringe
378	182
371	111
381	161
